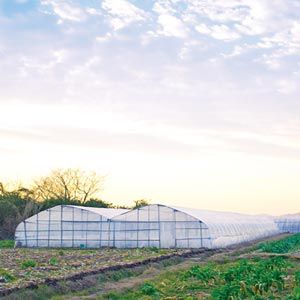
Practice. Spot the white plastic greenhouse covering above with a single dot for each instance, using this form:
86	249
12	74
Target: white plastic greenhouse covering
68	226
289	223
177	227
149	226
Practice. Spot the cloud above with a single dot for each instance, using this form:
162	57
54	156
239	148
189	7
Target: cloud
219	32
65	10
122	13
171	26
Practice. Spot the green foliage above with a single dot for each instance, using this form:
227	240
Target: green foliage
206	274
248	279
286	245
61	252
15	206
148	289
297	278
140	203
243	279
29	263
53	261
6	275
7	244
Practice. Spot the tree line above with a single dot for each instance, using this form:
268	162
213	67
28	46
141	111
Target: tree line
60	187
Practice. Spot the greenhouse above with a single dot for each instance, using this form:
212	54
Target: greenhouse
176	227
289	223
149	226
68	226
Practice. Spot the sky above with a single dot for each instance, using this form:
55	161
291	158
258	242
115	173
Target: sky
187	102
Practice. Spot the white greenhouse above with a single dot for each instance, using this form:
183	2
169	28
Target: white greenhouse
289	223
177	227
149	226
68	226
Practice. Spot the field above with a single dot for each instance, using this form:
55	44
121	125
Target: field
20	268
268	270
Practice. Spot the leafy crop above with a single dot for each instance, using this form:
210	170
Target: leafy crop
248	279
53	261
243	279
286	245
28	264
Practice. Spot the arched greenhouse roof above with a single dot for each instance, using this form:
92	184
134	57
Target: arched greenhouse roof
105	212
211	217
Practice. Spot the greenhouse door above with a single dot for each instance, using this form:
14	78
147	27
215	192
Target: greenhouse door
167	235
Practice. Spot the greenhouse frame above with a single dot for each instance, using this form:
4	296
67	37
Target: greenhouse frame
289	223
177	227
154	225
68	226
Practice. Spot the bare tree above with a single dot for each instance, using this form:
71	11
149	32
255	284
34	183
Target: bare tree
68	184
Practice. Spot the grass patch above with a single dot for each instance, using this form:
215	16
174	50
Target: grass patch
7	244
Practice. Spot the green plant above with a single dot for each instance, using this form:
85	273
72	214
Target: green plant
7	244
282	246
207	274
28	264
6	275
297	278
148	289
53	261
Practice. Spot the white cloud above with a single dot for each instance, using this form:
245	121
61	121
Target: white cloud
93	11
203	28
66	11
122	13
171	26
219	32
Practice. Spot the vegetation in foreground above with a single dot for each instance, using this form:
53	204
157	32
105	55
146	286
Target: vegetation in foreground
276	277
22	266
273	278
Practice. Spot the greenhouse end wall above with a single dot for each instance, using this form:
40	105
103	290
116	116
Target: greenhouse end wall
67	226
289	224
